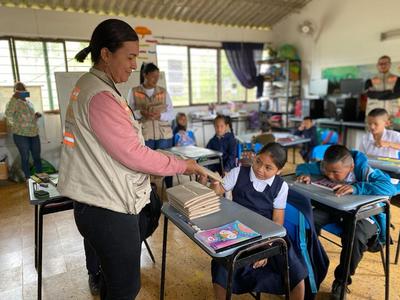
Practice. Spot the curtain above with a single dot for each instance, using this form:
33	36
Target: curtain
242	59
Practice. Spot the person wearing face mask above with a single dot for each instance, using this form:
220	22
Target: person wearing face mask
22	119
152	105
105	166
383	90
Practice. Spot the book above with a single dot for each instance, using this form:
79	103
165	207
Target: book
212	174
226	236
159	108
189	193
325	184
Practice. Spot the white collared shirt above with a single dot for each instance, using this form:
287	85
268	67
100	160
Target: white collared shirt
368	144
259	185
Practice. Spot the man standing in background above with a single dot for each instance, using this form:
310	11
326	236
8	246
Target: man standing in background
383	91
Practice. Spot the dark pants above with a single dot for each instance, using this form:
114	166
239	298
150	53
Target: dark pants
115	238
161	144
26	144
365	233
92	261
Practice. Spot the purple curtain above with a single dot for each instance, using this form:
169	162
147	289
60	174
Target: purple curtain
242	59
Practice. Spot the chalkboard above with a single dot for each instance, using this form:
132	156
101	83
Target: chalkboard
65	82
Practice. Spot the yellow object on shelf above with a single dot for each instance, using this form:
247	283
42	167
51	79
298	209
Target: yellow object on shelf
3	170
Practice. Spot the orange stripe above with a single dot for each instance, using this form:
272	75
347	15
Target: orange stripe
69	134
68	143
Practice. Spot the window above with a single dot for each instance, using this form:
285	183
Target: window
173	60
203	71
72	48
6	72
231	88
32	67
56	63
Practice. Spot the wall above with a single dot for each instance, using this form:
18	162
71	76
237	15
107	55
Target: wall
347	33
24	22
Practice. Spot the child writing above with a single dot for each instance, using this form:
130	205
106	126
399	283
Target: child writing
307	130
261	189
353	175
182	136
223	141
380	141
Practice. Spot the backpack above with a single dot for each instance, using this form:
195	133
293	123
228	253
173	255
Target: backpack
150	214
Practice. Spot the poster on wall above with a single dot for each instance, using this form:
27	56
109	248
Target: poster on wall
336	74
147	46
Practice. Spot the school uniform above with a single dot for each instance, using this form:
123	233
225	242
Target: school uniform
227	145
261	196
369	147
306	148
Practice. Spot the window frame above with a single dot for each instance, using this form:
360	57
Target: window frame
16	75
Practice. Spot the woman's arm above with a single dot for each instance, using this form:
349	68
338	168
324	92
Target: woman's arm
113	129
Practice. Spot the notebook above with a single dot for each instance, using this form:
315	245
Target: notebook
226	236
325	184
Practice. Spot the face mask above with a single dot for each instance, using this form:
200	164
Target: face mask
23	94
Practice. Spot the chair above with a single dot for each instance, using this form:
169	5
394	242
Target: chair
318	152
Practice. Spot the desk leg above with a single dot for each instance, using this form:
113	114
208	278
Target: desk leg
294	155
164	258
286	271
204	134
349	252
36	235
387	260
39	252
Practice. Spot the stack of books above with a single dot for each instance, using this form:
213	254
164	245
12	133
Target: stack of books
193	200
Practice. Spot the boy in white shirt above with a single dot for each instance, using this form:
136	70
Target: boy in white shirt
380	141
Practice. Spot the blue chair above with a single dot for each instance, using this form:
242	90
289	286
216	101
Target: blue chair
296	226
318	152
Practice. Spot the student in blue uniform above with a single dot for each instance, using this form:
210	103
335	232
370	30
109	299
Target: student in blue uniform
183	136
261	189
351	171
223	141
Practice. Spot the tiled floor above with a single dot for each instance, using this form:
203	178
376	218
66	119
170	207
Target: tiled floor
188	268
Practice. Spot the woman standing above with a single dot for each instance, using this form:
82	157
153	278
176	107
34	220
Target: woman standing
152	105
105	165
22	119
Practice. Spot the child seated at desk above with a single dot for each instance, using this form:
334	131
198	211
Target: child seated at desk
261	189
380	141
223	141
182	136
307	130
351	171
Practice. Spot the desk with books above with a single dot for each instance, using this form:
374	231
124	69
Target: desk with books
354	207
203	156
269	243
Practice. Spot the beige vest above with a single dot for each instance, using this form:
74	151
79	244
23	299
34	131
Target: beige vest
382	82
88	174
152	129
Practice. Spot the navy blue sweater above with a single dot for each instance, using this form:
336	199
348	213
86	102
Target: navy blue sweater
227	145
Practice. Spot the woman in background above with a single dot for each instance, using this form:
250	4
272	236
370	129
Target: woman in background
152	105
22	119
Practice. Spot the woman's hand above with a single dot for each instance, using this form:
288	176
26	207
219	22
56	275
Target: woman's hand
193	168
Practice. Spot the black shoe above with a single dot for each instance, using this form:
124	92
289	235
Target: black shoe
94	284
337	287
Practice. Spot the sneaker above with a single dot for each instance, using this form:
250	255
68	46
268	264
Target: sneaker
94	284
337	290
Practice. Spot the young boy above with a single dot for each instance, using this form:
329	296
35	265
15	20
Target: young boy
307	130
351	171
380	141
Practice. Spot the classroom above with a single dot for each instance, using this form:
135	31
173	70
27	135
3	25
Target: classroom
199	149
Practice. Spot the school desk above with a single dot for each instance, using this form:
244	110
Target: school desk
354	207
270	243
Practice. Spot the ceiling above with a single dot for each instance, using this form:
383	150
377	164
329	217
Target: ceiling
261	14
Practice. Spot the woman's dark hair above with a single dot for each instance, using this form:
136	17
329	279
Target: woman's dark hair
227	120
110	34
146	69
277	153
